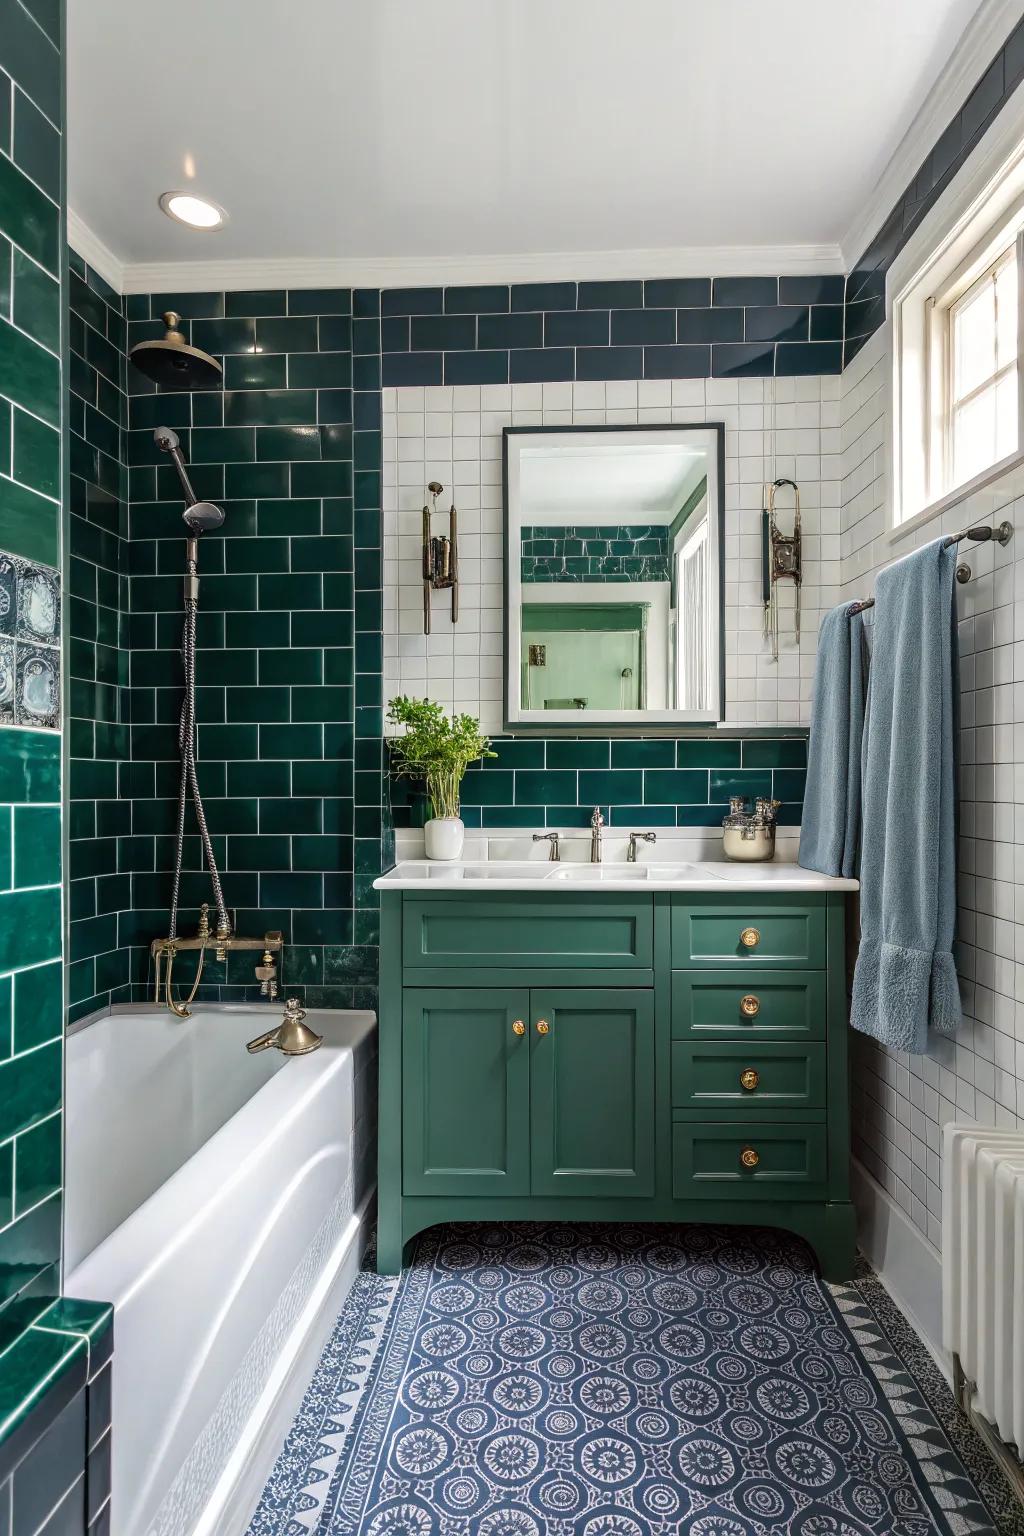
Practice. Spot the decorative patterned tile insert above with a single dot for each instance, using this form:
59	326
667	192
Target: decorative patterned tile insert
865	285
636	782
29	644
664	328
289	695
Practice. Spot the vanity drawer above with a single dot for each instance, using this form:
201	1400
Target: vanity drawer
750	1162
534	933
747	930
764	1005
730	1076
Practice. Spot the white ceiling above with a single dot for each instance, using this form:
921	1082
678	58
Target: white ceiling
607	480
423	129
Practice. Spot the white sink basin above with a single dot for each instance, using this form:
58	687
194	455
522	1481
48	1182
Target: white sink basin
630	872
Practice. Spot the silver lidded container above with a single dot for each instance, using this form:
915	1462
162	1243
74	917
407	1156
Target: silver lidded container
749	838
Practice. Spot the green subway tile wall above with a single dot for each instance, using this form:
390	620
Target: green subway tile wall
31	997
652	782
289	659
551	553
96	661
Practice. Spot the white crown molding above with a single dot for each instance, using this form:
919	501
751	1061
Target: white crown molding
94	253
439	271
982	39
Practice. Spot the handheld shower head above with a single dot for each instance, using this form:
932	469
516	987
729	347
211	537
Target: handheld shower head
199	516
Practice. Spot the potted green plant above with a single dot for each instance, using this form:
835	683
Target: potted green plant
437	748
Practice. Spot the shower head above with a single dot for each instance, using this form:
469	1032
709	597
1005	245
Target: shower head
200	516
172	363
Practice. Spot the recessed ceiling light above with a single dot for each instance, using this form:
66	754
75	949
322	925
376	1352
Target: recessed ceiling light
196	212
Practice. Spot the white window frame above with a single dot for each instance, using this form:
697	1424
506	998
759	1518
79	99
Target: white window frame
1004	241
979	214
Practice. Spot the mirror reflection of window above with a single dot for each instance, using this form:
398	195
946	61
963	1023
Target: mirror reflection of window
613	548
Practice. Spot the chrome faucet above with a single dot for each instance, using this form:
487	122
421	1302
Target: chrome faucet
552	839
638	837
596	823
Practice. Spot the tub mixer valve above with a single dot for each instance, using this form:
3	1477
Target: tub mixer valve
266	975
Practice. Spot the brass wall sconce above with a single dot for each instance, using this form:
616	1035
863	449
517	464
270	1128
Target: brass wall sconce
440	557
781	559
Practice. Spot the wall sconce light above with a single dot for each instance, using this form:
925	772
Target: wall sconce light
440	557
781	559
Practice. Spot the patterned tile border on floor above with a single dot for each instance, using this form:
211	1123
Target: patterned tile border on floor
307	1495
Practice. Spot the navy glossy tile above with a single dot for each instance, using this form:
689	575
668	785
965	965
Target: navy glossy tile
743	360
543	296
777	323
614	295
680	362
706	325
412	301
678	292
745	290
401	368
507	331
640	327
541	364
476	367
488	298
438	333
580	328
609	362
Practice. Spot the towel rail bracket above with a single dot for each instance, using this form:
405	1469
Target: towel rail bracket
1001	534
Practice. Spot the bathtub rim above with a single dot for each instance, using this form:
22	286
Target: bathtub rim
111	1010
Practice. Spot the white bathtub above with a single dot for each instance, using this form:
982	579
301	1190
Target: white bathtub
218	1200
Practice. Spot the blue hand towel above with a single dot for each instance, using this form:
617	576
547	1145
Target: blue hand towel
905	981
831	815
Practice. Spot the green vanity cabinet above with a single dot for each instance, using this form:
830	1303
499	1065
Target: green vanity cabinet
653	1056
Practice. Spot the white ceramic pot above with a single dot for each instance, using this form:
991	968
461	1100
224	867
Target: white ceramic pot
444	837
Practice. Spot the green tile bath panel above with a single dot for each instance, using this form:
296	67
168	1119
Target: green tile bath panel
760	1005
546	932
592	1092
466	1091
783	1162
714	930
734	1077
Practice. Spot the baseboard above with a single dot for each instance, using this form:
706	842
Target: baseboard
234	1500
904	1260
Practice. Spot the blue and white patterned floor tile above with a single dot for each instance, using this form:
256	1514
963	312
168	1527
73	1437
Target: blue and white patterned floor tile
554	1380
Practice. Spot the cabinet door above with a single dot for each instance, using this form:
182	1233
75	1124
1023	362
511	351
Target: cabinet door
592	1091
466	1091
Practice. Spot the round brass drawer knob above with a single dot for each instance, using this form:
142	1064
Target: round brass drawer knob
750	938
519	1028
749	1158
750	1078
750	1006
543	1026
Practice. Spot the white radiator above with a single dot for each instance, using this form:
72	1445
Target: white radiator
983	1270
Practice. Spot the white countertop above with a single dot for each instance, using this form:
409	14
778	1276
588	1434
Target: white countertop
533	875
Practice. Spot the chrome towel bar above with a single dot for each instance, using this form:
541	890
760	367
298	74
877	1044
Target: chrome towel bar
1001	535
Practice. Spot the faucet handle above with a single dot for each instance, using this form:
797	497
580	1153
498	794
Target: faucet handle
552	839
639	837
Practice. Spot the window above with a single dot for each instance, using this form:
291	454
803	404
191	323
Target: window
958	378
974	341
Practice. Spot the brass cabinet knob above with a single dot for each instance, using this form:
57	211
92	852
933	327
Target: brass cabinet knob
749	1079
750	1006
543	1026
750	938
519	1028
749	1158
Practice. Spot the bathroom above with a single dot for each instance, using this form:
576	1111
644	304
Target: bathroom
389	1142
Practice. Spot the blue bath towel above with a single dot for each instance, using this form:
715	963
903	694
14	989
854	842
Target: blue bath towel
905	981
831	815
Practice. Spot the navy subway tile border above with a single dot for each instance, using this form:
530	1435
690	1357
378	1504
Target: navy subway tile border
663	328
865	285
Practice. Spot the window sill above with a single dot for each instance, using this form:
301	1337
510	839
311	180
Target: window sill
988	477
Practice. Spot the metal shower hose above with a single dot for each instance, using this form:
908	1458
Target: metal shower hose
187	747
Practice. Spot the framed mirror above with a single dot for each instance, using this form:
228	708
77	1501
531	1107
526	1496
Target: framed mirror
614	584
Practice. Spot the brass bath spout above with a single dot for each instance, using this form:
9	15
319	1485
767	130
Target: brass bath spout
291	1036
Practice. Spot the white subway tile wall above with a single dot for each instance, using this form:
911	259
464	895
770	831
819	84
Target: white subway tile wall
901	1102
774	427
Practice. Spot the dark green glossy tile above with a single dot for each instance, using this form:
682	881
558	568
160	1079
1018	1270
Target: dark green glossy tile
267	301
290	334
291	815
774	754
30	1087
254	370
329	553
544	788
39	1164
249	481
257	555
333	478
288	517
749	783
269	407
578	754
38	1356
297	741
36	454
643	754
678	786
288	443
29	375
36	145
630	817
222	335
27	215
605	788
36	845
789	783
303	591
708	754
326	703
291	666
